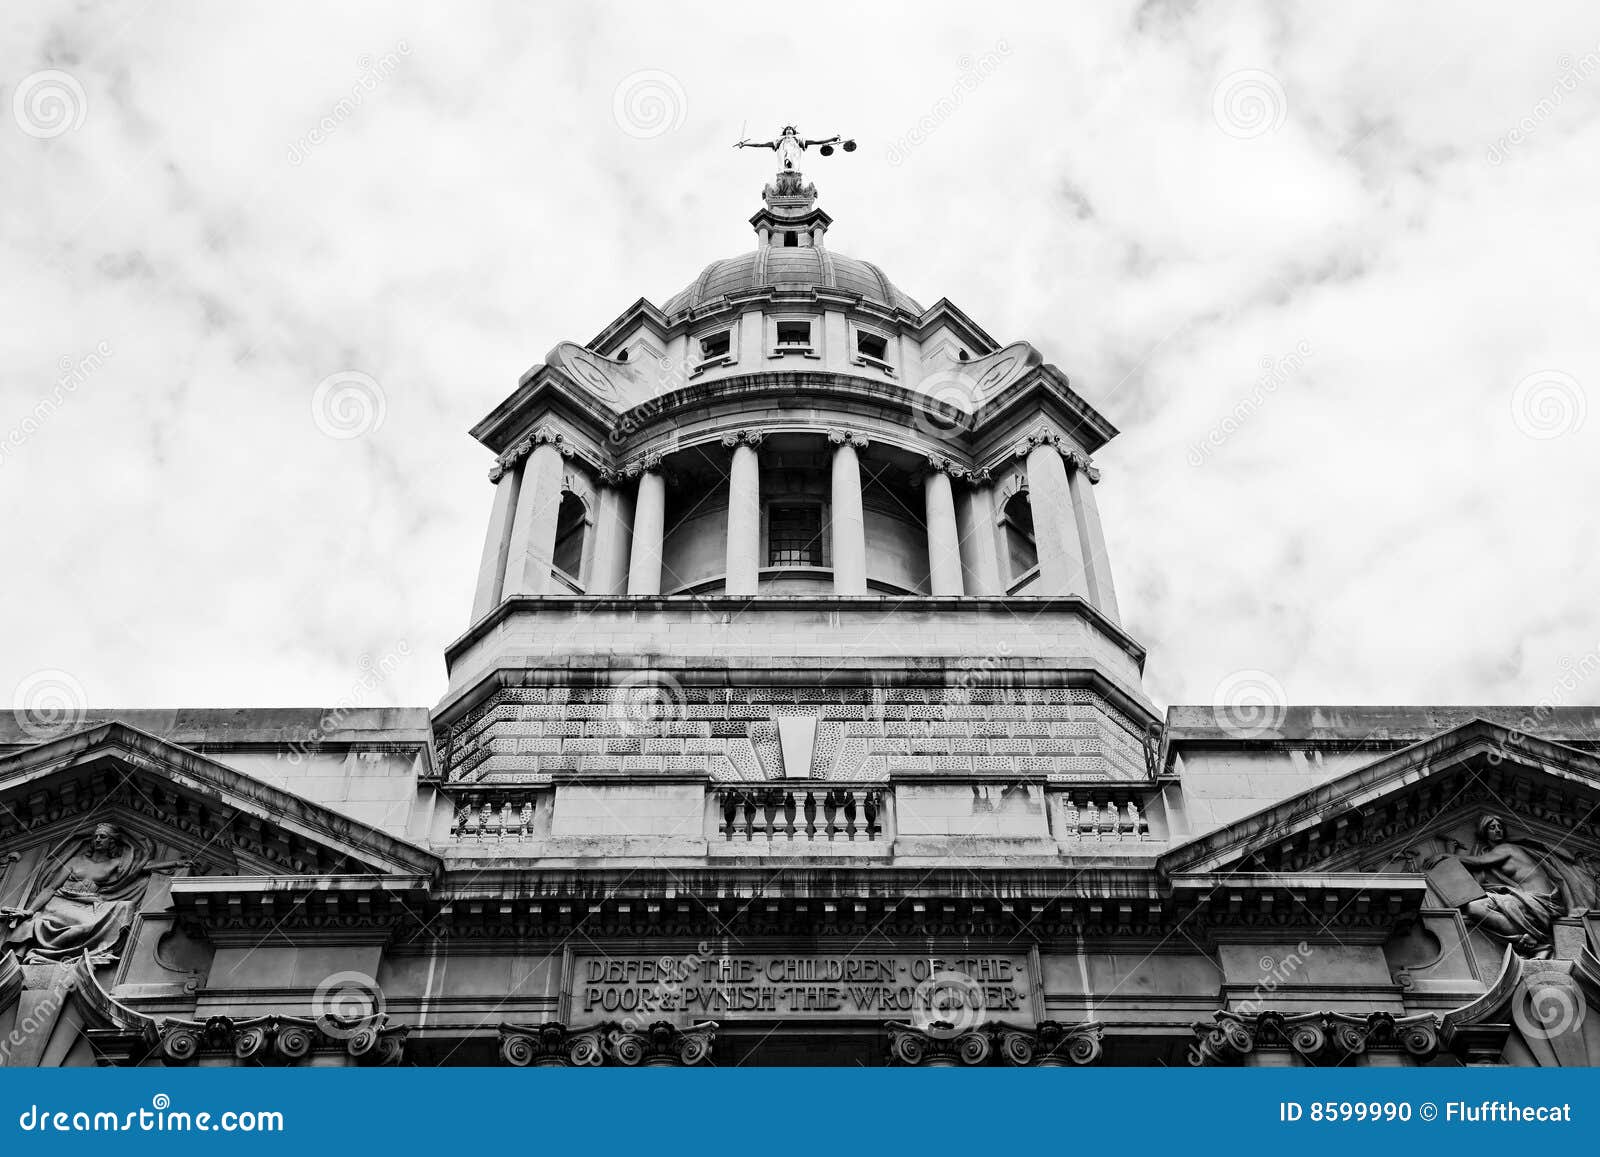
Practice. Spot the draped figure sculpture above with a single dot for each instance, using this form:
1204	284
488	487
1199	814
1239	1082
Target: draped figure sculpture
1526	885
83	898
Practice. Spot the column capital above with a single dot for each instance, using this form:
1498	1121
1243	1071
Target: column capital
663	1043
1044	436
848	438
644	464
1050	1043
1320	1038
938	464
750	438
550	1045
543	436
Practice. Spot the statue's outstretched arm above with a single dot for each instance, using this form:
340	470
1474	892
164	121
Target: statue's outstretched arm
833	140
756	145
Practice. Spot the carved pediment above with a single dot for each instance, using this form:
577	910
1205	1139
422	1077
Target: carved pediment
1503	826
1400	811
174	803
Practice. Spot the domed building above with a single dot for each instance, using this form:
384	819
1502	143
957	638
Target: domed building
795	722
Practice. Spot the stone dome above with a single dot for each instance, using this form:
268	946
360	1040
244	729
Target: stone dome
792	267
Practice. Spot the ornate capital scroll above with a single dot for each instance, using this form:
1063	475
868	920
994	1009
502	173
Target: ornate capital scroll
1075	458
281	1040
543	436
644	464
943	1045
750	438
848	438
938	464
1319	1038
662	1044
551	1045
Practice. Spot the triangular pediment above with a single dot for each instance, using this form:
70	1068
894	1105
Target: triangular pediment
230	822
1371	818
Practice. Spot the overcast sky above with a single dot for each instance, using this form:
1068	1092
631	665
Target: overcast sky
1331	269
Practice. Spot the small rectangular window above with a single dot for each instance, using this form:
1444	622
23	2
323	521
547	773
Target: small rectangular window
871	345
794	535
716	345
794	333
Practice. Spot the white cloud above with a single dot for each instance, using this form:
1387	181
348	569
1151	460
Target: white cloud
1379	529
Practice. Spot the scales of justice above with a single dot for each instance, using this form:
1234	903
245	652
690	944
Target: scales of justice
790	144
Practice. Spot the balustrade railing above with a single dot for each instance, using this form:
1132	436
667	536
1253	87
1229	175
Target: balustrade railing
1104	822
498	817
820	813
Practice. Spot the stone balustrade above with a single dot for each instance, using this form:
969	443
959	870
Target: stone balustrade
494	817
821	813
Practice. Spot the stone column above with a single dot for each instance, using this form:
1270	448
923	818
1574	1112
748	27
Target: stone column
492	567
1055	527
1091	539
944	541
848	521
649	526
611	537
533	528
744	514
977	521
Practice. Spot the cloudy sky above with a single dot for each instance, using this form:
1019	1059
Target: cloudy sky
1330	268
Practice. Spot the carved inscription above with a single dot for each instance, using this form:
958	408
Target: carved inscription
956	986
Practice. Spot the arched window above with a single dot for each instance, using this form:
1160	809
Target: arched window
571	522
1021	549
